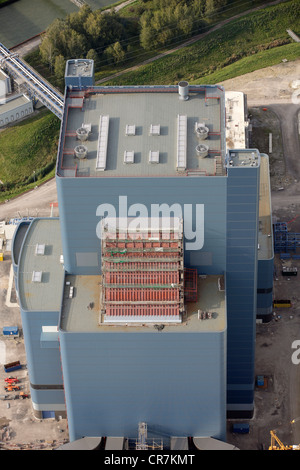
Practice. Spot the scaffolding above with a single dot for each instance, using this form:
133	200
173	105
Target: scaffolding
142	273
284	241
190	285
143	443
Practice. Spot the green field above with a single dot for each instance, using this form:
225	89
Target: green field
254	41
28	153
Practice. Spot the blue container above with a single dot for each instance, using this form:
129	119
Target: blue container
260	380
12	366
10	330
240	428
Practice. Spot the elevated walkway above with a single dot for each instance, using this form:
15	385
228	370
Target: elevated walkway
37	87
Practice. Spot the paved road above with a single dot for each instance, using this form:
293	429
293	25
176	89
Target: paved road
35	203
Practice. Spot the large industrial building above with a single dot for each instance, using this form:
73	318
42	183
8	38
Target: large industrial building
139	303
13	106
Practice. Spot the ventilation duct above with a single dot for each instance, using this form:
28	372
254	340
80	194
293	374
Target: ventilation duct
82	134
81	151
183	90
201	131
202	150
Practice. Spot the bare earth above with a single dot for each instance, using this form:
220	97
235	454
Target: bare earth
267	86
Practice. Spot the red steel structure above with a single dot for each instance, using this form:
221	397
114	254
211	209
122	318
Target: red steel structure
142	275
190	285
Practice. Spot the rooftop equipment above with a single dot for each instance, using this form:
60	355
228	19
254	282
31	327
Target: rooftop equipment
81	151
82	134
130	129
202	150
181	142
40	249
129	156
183	90
102	143
155	129
37	276
154	156
201	131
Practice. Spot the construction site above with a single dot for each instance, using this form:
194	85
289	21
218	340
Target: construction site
136	306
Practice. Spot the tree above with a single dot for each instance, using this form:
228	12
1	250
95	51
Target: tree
214	6
77	19
92	55
47	51
115	53
59	67
76	44
103	29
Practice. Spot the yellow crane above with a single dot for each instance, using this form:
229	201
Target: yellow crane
276	443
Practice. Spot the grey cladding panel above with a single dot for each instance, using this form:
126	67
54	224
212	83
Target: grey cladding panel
87	259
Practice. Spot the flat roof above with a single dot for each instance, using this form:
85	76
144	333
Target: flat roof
142	131
79	67
41	273
243	158
265	233
236	119
77	316
13	103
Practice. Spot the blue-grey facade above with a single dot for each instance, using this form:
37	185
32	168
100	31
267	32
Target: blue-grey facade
82	197
241	275
168	380
182	380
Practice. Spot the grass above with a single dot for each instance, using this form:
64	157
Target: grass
254	37
4	2
249	64
28	153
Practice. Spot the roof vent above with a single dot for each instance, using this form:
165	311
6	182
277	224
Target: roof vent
183	90
202	150
201	131
81	151
37	276
39	249
155	129
129	156
154	156
130	129
82	134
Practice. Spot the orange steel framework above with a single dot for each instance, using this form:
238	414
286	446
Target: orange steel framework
190	285
142	275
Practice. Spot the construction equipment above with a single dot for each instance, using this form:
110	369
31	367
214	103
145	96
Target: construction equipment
276	443
12	388
12	366
143	443
12	380
24	395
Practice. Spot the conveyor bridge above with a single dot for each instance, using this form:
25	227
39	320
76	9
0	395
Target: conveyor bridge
37	87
